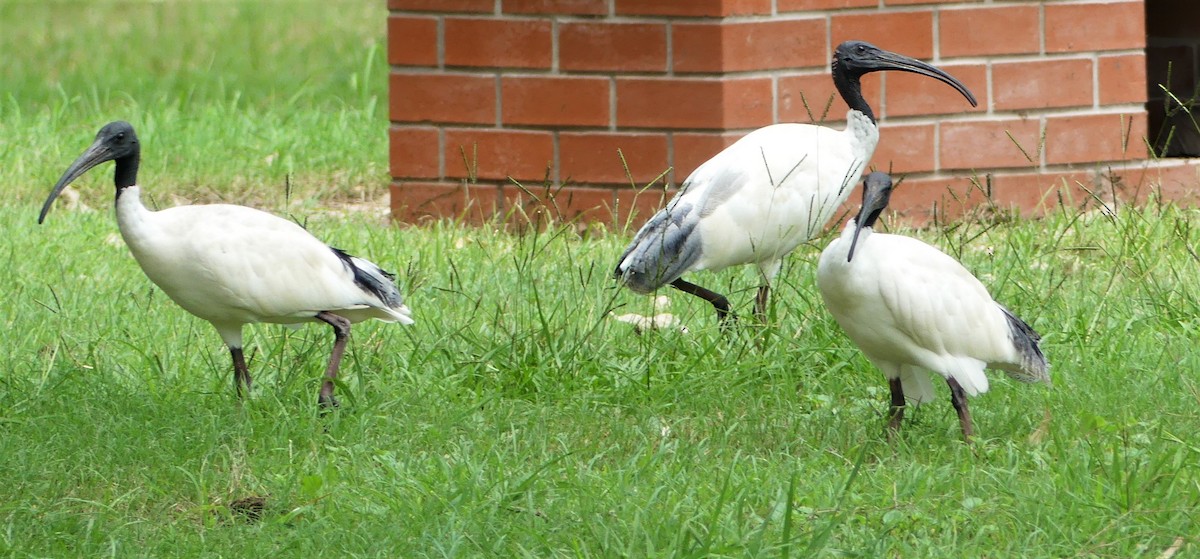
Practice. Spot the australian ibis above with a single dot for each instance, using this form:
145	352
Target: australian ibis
233	265
911	308
761	197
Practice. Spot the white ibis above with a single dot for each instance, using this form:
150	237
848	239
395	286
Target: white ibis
910	306
233	265
761	197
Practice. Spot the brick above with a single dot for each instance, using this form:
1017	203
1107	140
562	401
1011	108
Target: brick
693	103
1172	66
747	103
592	157
423	202
907	33
908	94
412	41
698	47
912	2
815	5
811	98
414	152
1033	194
968	31
1095	26
443	6
1175	180
498	154
1130	182
554	101
764	45
986	144
746	7
905	148
1090	138
1122	79
454	98
692	8
921	201
555	7
1042	84
612	47
690	150
542	205
497	43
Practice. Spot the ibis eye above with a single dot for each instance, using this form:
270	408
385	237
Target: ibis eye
121	136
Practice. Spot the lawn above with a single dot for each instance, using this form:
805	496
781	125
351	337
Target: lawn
517	417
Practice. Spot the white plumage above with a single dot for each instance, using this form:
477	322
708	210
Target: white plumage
760	198
912	310
233	265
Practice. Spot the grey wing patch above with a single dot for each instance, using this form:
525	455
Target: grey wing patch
663	249
1033	366
722	187
372	279
725	183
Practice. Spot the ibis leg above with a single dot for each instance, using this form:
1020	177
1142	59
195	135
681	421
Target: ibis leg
341	333
958	399
760	303
718	301
241	374
896	413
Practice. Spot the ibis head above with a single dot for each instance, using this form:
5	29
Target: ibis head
852	59
877	190
115	142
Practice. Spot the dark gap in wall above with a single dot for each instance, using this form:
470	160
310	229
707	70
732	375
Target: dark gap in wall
1173	100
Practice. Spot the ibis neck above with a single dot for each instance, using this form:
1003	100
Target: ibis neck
133	218
850	89
129	203
864	133
125	174
868	221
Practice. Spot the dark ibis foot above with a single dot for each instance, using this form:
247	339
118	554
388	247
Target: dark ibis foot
327	402
895	418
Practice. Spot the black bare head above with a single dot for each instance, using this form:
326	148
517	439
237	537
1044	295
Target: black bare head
877	190
852	59
115	142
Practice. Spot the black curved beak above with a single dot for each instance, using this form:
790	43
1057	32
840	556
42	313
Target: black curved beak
98	153
858	227
891	61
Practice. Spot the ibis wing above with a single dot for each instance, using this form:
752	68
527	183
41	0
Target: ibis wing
663	249
937	304
670	244
236	264
753	202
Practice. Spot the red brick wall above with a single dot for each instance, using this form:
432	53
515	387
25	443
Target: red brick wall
563	95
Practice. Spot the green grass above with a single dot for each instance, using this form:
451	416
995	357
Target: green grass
231	99
517	418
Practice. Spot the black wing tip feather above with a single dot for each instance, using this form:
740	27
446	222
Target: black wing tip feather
369	282
1025	339
661	252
